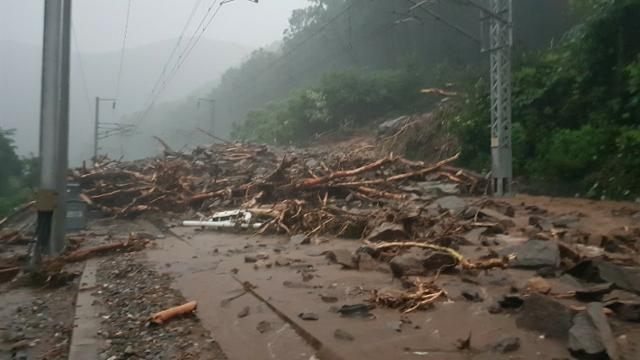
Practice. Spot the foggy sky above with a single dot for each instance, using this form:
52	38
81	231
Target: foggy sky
99	24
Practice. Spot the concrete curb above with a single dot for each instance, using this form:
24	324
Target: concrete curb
85	344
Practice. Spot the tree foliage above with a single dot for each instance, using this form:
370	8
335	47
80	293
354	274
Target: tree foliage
576	107
17	176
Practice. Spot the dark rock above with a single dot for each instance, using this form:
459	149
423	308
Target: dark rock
244	312
342	335
591	333
506	345
511	302
408	264
308	316
494	215
299	239
540	222
546	272
328	298
546	315
593	293
263	327
454	204
387	231
416	262
534	254
250	259
367	263
495	309
566	221
627	278
343	257
626	310
355	310
472	295
475	235
282	261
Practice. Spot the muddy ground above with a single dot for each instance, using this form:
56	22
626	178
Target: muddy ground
296	285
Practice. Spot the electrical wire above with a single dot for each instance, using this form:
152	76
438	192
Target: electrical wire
184	55
80	64
173	51
122	50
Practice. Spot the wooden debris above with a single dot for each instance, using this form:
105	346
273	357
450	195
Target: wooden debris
166	315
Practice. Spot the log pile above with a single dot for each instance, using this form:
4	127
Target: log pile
294	191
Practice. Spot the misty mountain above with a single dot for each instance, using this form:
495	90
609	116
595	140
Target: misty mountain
20	86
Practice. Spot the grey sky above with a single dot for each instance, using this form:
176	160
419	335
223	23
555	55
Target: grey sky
99	23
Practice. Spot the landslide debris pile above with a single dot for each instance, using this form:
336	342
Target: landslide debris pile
296	191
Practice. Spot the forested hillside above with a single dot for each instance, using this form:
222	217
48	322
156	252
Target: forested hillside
576	105
370	35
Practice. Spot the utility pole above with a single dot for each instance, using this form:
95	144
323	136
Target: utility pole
500	43
54	130
96	126
213	110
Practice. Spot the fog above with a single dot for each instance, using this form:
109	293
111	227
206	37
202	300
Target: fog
154	27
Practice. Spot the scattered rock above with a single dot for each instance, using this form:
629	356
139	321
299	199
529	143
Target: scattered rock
367	263
328	298
387	231
627	278
546	272
475	235
452	203
417	262
342	335
539	285
593	293
494	215
534	254
263	327
282	261
626	310
244	312
591	334
343	257
511	302
308	316
506	345
355	310
546	315
540	222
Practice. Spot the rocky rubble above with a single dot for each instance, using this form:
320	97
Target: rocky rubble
131	293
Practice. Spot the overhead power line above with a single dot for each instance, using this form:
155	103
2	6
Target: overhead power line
122	50
80	65
173	52
202	27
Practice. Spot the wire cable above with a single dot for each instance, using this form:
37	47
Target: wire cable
182	58
173	52
122	50
80	64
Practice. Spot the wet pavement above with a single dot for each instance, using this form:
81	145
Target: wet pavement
204	268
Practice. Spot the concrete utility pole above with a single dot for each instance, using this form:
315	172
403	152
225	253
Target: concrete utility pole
96	126
213	110
500	43
54	130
